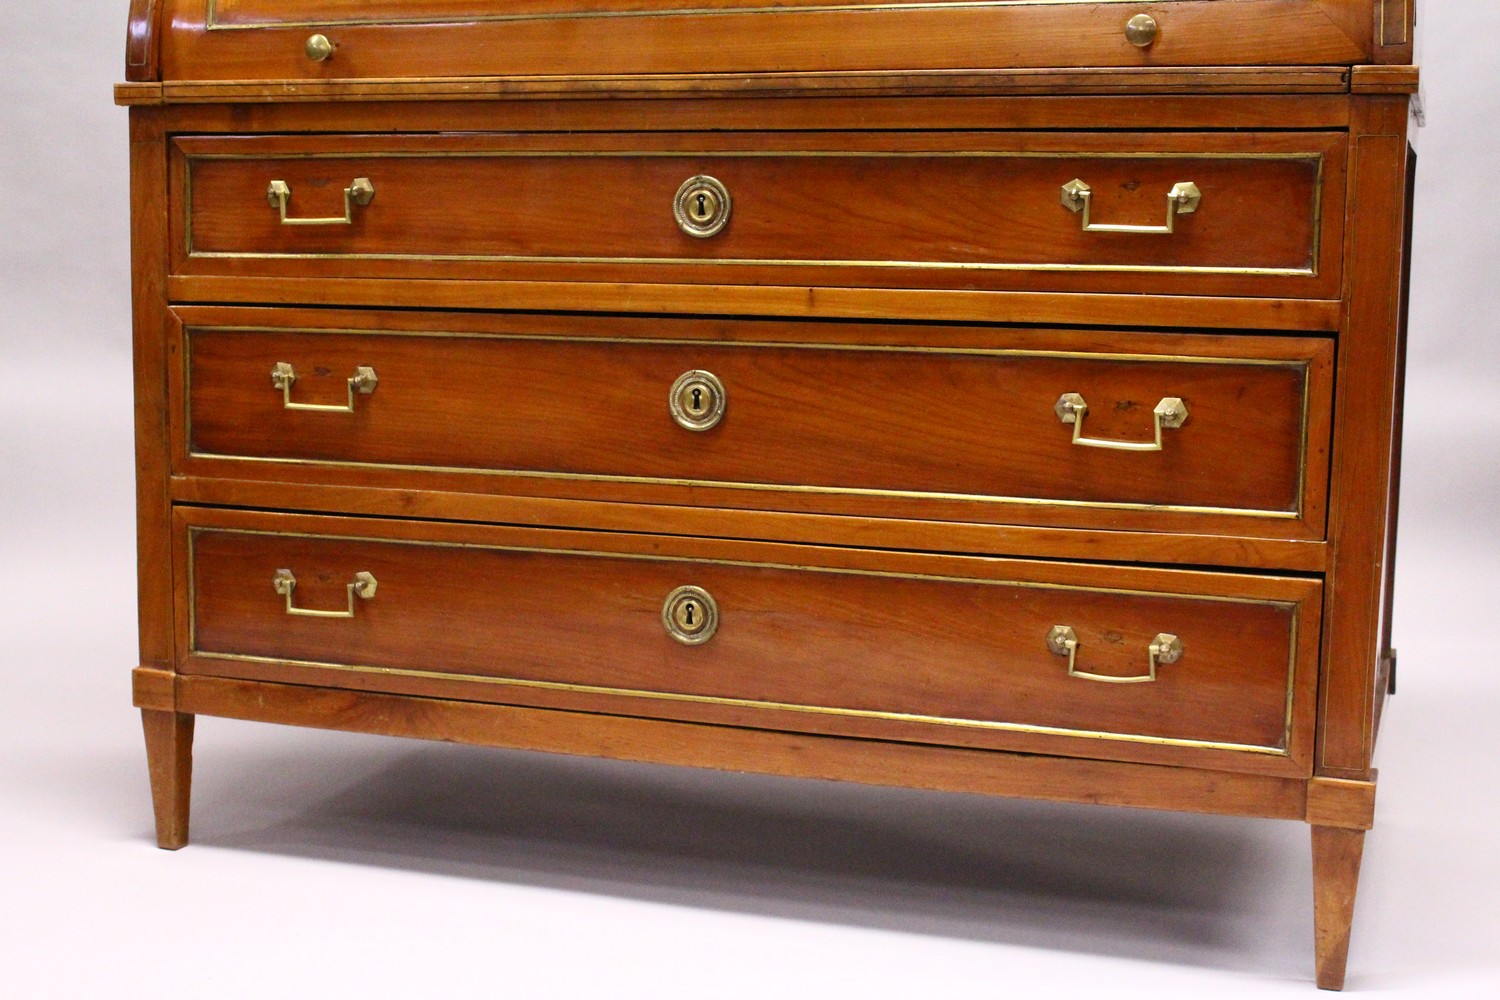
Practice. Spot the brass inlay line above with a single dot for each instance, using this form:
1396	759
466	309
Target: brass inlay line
1293	607
213	23
1293	514
1311	270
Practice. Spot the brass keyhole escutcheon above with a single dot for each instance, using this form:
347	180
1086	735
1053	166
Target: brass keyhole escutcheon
697	400
690	615
701	206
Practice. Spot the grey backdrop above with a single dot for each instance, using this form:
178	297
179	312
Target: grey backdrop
346	865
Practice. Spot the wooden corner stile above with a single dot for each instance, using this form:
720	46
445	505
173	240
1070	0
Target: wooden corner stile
143	41
1364	425
1395	28
148	239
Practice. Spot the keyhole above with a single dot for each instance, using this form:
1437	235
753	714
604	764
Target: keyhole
697	400
688	610
702	212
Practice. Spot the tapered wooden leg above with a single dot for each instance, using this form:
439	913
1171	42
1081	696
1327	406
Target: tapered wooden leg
169	755
1336	857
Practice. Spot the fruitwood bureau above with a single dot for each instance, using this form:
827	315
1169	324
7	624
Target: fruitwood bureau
997	397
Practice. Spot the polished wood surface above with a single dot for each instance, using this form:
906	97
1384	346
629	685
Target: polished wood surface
890	516
976	210
937	649
843	417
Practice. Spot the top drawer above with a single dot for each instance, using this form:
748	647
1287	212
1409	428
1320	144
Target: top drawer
269	39
1229	214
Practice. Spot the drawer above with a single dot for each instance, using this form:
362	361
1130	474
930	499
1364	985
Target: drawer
267	39
1079	428
1043	657
1242	214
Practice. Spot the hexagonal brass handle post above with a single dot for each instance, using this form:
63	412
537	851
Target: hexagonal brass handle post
363	382
1183	199
362	587
1165	648
359	193
1071	409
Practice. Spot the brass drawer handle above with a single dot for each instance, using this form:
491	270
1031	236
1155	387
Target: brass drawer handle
1170	413
690	615
1183	199
1165	648
284	375
362	586
701	206
697	400
360	192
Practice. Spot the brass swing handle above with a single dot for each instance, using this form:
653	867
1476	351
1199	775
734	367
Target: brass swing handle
1183	199
359	193
283	376
1170	413
362	586
1165	648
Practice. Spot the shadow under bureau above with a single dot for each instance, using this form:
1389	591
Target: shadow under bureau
994	397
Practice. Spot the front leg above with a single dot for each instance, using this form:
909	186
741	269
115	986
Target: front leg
169	756
1336	856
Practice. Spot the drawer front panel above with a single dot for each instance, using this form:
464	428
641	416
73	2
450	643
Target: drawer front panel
971	210
264	39
834	417
936	649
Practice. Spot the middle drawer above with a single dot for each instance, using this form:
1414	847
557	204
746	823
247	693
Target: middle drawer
989	425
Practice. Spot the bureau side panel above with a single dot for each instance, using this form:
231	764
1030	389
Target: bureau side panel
1364	424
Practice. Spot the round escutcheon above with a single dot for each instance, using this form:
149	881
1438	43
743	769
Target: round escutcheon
701	206
690	615
697	400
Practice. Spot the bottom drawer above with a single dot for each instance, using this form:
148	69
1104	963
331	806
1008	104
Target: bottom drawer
1211	669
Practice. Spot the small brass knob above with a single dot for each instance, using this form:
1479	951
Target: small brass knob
697	400
690	615
319	48
701	206
1141	31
